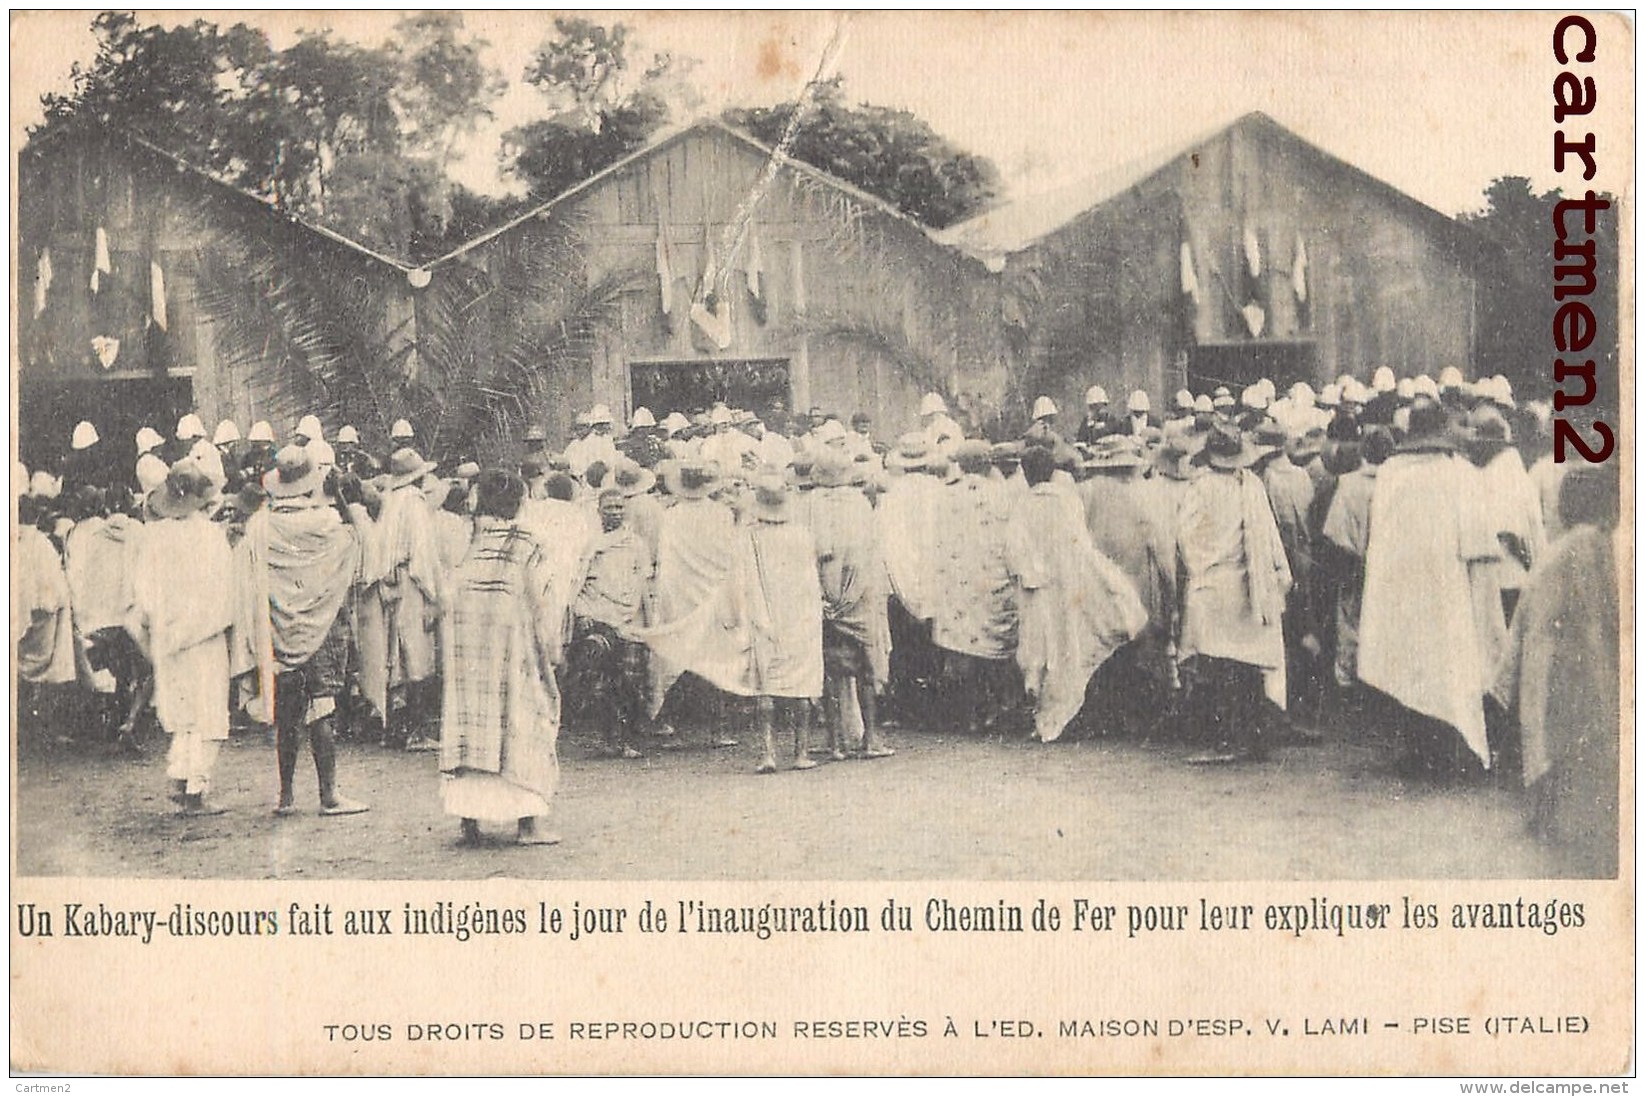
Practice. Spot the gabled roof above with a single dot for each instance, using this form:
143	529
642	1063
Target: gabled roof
1018	225
665	140
659	143
239	193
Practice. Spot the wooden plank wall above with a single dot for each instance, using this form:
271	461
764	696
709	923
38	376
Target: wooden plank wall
1386	285
832	266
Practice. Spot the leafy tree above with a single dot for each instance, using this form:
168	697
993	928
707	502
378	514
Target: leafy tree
599	112
890	153
1517	309
354	137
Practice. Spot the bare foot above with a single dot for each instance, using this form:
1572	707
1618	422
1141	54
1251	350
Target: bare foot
529	835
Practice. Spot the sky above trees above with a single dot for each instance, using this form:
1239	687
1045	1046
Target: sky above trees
1436	104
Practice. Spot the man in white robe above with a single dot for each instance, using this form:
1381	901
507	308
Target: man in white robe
1234	581
183	623
1076	607
1420	636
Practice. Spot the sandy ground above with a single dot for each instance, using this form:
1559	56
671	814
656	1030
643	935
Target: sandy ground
945	807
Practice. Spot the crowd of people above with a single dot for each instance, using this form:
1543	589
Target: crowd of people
1244	569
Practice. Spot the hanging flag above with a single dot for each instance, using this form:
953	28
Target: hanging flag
157	294
665	272
100	264
754	270
709	309
1254	318
1190	279
106	348
1253	252
42	280
1299	270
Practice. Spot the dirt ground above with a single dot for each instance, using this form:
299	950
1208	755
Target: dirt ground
944	807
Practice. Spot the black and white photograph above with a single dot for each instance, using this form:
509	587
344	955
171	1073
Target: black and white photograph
779	447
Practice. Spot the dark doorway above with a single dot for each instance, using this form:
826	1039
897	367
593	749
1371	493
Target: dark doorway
688	385
1240	364
47	412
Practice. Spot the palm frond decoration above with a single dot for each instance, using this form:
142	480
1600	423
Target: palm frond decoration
488	342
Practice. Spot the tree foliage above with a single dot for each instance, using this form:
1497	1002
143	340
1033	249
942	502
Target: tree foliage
1517	307
354	137
890	153
598	111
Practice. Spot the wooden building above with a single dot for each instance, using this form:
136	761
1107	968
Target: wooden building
1247	253
749	277
135	273
705	266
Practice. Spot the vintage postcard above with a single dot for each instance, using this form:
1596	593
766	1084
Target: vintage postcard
822	543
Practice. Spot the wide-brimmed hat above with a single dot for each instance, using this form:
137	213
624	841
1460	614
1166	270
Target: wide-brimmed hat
913	452
406	466
1306	446
694	479
631	478
830	469
932	404
769	498
85	436
295	472
1489	426
831	431
1114	451
186	489
1005	454
973	456
1227	448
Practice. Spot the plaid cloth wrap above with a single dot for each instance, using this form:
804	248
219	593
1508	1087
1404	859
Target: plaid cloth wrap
501	710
